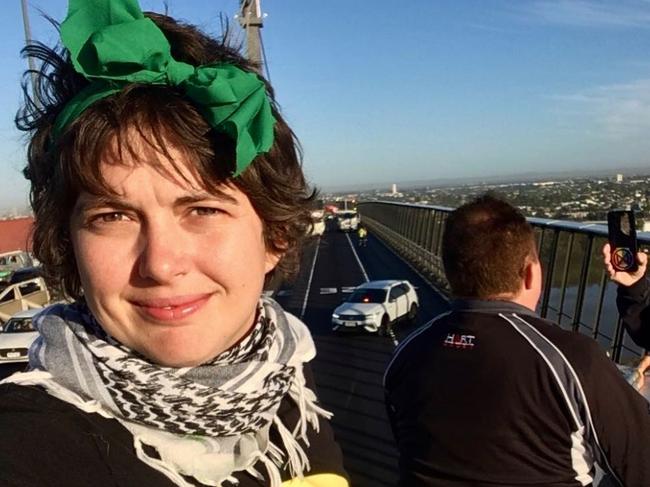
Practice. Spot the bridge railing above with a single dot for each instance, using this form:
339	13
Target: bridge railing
577	293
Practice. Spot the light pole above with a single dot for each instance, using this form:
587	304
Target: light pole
28	40
250	18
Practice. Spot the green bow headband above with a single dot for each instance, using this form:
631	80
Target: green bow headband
113	44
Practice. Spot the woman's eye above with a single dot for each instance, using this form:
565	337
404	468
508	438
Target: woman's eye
206	211
109	217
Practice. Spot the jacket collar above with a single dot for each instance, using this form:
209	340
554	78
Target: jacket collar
490	306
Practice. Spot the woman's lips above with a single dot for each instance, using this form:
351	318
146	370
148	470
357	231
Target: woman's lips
171	309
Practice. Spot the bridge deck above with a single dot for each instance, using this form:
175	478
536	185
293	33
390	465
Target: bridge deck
349	368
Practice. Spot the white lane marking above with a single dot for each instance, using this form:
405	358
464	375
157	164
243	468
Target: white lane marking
311	276
328	290
365	275
348	289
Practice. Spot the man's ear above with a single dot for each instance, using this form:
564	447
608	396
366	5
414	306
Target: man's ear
532	274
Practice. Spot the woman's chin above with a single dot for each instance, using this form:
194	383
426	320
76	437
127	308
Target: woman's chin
184	353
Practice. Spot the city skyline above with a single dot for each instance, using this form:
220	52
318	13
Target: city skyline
443	90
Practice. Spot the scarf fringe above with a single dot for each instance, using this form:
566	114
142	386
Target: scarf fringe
310	411
159	465
296	456
272	469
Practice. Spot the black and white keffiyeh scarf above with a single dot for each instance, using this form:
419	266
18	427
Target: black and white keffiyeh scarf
204	422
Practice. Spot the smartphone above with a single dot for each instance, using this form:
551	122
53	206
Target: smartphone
622	239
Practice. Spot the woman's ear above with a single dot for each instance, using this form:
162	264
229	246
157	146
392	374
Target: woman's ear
272	259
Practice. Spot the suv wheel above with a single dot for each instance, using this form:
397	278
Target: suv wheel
385	326
413	312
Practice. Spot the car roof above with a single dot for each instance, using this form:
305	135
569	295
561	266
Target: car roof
28	313
29	269
380	284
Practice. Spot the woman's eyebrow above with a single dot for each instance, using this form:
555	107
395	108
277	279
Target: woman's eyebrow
100	201
198	197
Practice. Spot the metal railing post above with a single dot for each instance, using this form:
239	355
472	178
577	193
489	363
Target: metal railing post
549	274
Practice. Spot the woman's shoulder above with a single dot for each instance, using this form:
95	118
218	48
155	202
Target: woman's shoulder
45	438
46	441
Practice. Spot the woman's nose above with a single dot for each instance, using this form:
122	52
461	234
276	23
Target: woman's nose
163	257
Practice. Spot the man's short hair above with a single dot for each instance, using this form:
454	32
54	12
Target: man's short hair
485	248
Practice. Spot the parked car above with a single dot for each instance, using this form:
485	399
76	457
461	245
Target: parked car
17	336
12	261
25	274
347	220
376	305
24	295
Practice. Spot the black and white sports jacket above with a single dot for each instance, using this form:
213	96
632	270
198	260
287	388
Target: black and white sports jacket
490	394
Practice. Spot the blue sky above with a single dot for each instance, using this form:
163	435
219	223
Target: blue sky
387	91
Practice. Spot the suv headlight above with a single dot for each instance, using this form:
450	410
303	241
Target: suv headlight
335	315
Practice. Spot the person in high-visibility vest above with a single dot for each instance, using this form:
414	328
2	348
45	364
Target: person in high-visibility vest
362	233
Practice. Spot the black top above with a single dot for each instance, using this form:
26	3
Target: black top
474	402
47	442
634	306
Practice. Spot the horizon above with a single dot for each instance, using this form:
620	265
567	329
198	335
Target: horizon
453	91
451	183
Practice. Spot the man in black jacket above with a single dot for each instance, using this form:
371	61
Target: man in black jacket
491	394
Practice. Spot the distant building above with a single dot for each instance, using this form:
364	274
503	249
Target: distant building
393	189
619	178
16	234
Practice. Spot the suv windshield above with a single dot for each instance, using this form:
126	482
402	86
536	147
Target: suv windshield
18	325
368	296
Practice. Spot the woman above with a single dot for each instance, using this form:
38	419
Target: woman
166	187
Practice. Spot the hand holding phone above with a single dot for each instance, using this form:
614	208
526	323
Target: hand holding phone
628	242
622	240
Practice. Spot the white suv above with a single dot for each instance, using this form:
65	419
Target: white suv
376	305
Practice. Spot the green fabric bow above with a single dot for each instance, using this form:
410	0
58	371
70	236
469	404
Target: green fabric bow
113	44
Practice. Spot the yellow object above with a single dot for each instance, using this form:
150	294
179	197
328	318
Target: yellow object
319	480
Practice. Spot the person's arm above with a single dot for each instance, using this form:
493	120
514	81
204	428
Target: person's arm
633	304
633	298
620	415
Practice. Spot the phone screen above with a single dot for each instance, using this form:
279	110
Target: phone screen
622	239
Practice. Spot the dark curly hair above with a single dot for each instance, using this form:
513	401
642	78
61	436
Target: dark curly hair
59	171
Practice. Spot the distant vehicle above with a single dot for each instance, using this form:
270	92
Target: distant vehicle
25	274
318	222
376	305
17	336
22	296
347	220
12	261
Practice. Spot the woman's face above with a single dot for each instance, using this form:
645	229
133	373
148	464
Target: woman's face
167	268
